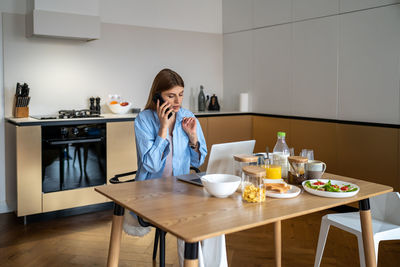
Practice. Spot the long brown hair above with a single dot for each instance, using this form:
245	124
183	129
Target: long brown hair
164	80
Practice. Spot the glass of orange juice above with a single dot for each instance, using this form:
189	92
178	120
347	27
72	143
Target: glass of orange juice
273	171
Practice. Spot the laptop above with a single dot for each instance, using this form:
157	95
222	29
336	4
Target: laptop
221	160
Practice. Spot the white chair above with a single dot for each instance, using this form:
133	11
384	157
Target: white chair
385	213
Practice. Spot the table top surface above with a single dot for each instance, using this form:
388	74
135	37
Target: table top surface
190	213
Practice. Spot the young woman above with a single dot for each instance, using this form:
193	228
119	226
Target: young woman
169	140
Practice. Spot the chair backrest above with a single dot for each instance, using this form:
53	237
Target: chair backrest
386	207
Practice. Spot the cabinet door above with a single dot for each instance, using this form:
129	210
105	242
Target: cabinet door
204	123
368	153
226	129
121	148
319	136
29	171
265	131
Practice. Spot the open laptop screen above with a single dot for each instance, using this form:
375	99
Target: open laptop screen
221	159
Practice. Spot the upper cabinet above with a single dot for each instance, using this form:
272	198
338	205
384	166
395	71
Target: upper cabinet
305	9
352	5
271	12
333	59
368	78
237	15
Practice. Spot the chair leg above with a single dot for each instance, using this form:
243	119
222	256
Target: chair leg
323	234
361	250
156	237
376	245
162	248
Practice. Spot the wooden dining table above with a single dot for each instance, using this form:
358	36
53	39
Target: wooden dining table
188	212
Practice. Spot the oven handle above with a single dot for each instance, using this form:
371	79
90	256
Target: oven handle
65	142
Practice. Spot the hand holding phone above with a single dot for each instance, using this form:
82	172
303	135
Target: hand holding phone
158	97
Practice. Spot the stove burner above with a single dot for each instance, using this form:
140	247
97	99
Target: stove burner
83	113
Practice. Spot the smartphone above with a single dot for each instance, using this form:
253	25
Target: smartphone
156	97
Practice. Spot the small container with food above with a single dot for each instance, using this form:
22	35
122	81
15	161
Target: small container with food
243	160
240	161
297	170
252	184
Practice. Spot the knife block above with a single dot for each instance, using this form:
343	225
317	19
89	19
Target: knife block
21	112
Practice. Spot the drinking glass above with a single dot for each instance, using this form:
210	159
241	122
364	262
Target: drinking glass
310	154
307	153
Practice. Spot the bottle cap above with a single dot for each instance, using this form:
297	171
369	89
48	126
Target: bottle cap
281	134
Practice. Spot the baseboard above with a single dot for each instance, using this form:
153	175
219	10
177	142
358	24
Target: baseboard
4	208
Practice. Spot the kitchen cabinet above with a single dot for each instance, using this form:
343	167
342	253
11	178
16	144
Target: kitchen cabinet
265	131
361	151
370	153
28	171
319	136
121	148
24	168
224	129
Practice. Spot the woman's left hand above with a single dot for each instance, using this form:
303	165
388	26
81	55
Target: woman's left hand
189	126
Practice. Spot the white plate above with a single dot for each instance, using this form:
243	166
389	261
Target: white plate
331	194
292	192
266	181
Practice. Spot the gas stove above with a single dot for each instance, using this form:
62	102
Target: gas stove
69	114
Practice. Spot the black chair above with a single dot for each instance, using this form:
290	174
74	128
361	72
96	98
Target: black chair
160	234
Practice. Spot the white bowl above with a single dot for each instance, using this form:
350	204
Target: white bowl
220	185
118	109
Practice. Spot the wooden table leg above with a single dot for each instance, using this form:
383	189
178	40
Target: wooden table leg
116	233
278	244
191	254
367	234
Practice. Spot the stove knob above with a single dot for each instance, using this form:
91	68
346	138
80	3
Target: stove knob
64	132
75	131
86	130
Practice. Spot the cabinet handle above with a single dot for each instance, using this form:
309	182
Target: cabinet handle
78	141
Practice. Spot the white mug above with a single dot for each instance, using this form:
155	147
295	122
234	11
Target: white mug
314	169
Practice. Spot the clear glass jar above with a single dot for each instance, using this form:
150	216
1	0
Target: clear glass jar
253	189
241	161
297	169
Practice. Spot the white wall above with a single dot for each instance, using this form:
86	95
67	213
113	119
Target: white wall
186	15
63	74
138	39
335	59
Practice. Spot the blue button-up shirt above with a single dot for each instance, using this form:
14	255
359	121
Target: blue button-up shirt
152	150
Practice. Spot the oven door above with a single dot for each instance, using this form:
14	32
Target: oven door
73	163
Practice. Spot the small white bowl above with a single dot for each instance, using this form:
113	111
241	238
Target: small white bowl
118	109
220	185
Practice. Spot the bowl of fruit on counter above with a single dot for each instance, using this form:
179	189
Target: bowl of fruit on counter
117	105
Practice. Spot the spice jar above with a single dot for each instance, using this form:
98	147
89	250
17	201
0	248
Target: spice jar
252	183
243	160
297	169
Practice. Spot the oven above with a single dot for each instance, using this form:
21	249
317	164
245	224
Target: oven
73	156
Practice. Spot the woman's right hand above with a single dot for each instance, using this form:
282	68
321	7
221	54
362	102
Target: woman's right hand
162	113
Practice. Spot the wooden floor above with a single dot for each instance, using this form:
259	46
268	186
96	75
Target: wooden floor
82	240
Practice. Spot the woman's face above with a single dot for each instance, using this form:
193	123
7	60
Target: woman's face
174	97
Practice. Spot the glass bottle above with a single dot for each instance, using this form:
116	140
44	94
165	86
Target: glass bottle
202	99
281	153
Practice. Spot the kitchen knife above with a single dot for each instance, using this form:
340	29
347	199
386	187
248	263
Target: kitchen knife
18	89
